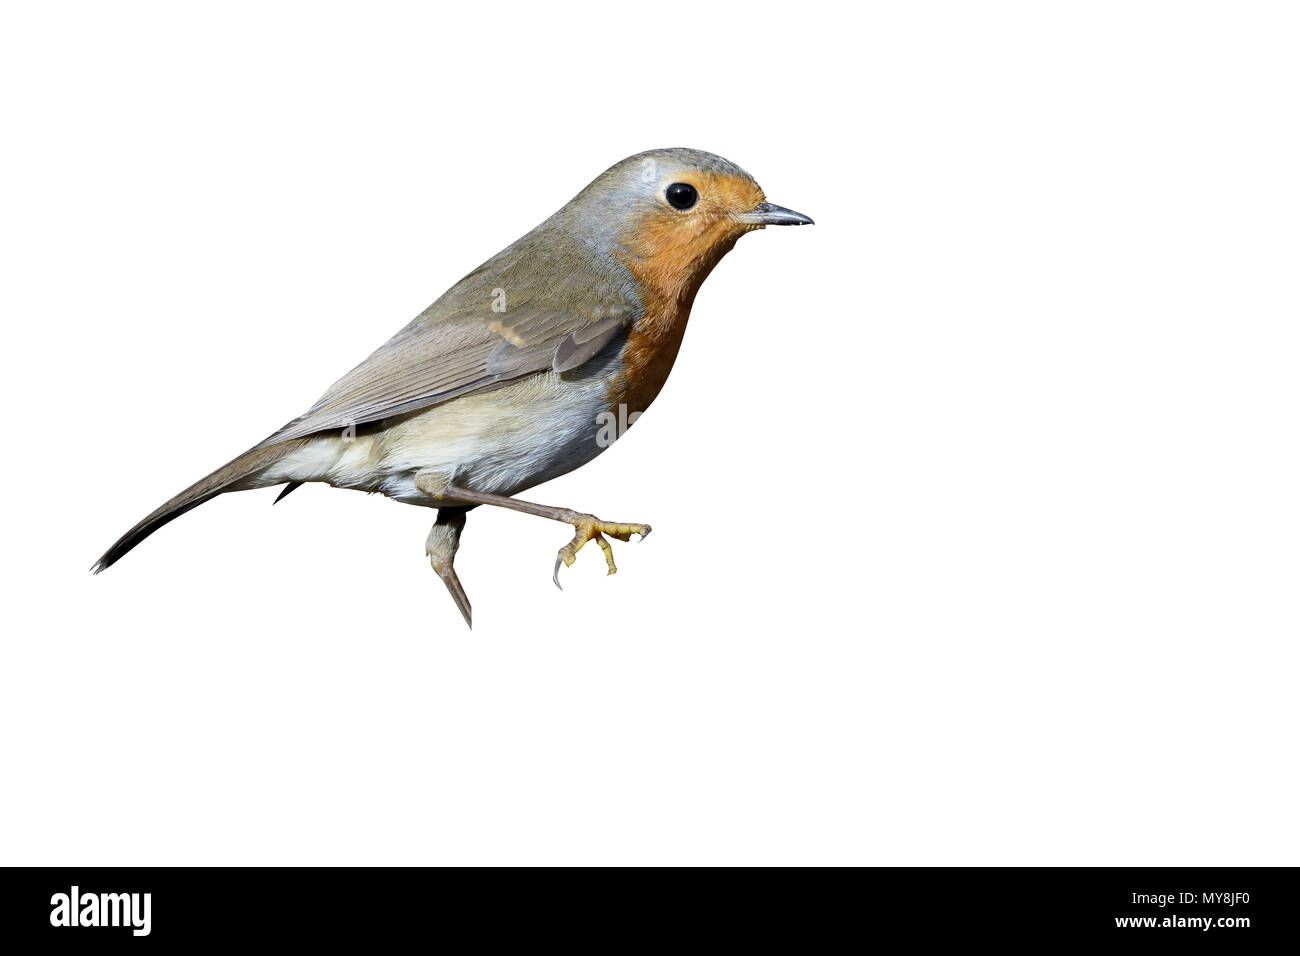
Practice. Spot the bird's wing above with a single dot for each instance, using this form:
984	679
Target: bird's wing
460	345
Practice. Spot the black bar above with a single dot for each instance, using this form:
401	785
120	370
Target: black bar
1223	908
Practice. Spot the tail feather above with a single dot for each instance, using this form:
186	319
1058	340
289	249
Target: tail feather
193	496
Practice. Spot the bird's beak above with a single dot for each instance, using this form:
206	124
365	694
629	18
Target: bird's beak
770	214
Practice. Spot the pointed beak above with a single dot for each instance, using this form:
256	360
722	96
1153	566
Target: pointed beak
770	214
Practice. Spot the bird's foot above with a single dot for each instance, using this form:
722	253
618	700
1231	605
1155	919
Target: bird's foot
591	528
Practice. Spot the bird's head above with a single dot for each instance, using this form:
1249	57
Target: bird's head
669	215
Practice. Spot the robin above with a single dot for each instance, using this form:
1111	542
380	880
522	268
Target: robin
525	369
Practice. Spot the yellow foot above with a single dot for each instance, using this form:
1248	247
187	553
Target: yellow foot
591	528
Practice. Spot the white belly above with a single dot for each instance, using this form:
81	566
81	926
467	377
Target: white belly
498	442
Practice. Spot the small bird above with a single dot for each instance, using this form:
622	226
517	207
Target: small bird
522	371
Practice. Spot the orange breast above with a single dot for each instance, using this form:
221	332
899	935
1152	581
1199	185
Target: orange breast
670	260
668	290
671	255
652	346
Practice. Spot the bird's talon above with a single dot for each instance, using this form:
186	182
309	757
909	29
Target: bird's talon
591	528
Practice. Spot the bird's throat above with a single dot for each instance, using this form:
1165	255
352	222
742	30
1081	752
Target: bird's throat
653	341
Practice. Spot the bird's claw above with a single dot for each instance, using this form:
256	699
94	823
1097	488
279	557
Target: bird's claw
590	528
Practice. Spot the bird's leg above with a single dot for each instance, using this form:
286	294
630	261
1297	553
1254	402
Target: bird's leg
586	527
441	545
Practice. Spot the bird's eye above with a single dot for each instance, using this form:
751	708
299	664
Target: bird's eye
681	195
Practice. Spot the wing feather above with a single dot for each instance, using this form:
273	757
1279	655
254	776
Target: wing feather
460	345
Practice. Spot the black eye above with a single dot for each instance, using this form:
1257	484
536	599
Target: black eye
681	195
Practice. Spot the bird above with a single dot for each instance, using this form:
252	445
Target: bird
525	369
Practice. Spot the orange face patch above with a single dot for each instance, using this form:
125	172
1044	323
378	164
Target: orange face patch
671	250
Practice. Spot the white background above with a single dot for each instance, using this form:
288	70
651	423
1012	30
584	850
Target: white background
976	505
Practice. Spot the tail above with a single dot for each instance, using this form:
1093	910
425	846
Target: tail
197	493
